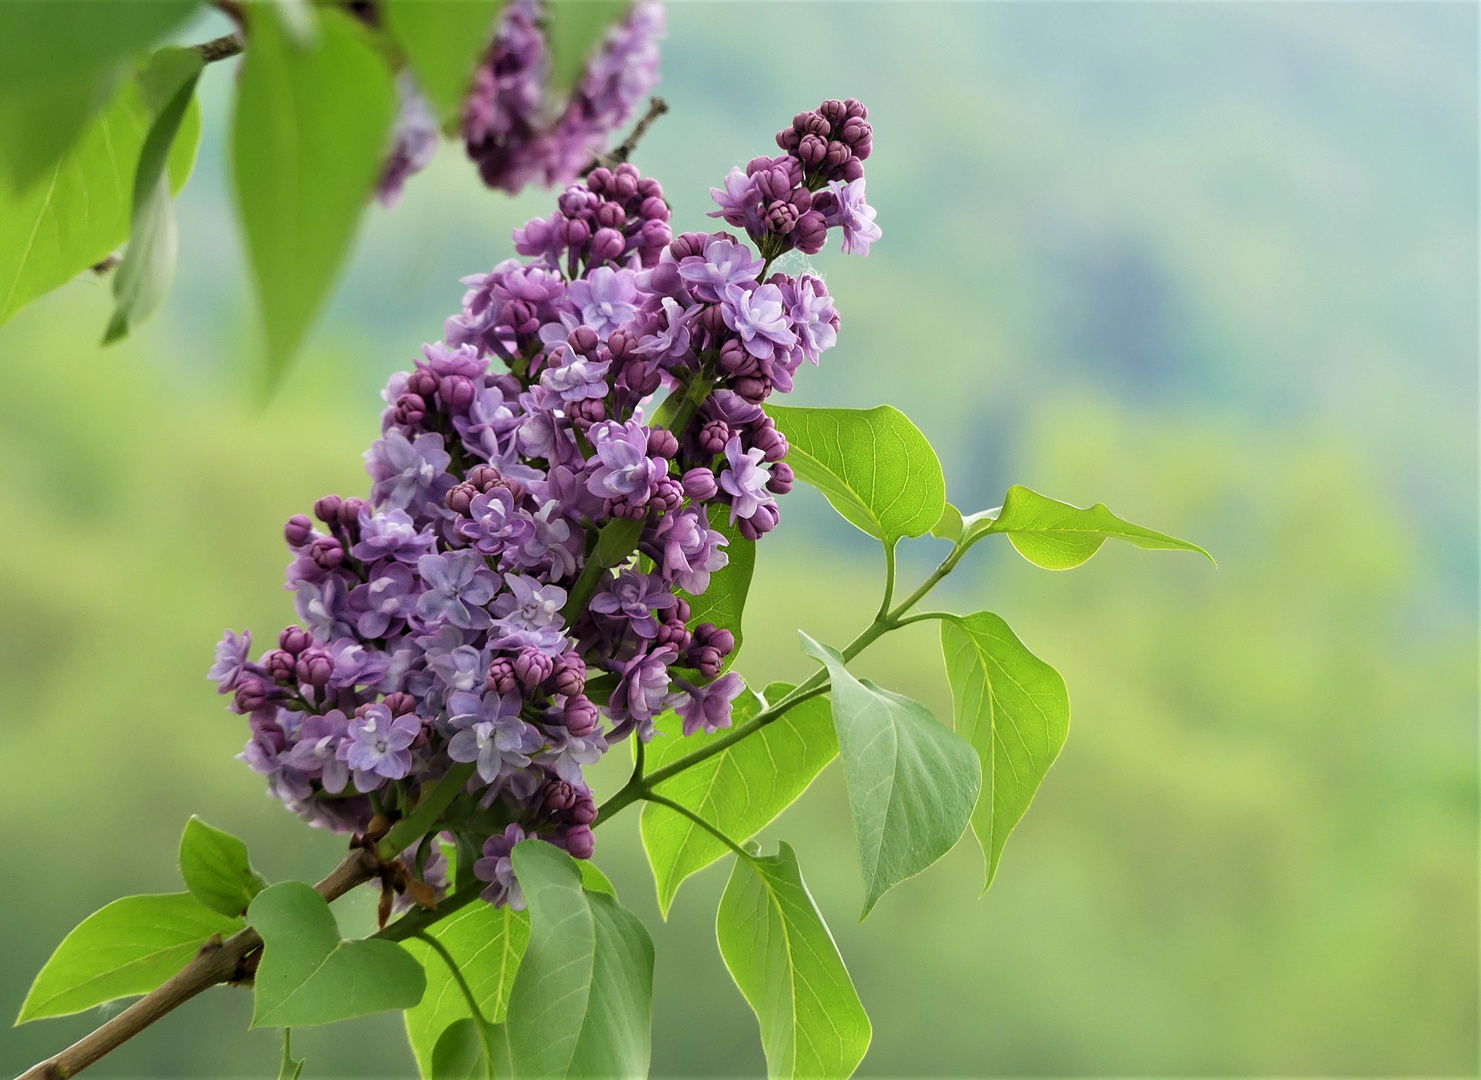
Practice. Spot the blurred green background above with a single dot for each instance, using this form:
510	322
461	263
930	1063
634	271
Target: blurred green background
1214	264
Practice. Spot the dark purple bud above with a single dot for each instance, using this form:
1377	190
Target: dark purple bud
400	703
812	149
279	664
687	244
781	479
252	694
811	233
483	477
598	179
834	111
723	640
673	633
709	661
837	154
409	411
327	552
754	388
583	340
655	235
456	391
781	217
580	843
580	715
855	130
532	667
586	412
681	609
501	678
853	107
735	360
621	344
327	509
557	795
349	512
852	170
863	150
607	245
298	531
625	182
422	382
611	216
699	484
294	639
460	497
650	188
662	443
788	138
654	209
575	232
668	495
758	165
770	442
569	676
812	123
760	523
584	811
713	320
642	378
314	667
713	437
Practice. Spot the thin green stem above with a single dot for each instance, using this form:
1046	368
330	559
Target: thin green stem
418	919
701	822
889	583
422	820
457	973
922	616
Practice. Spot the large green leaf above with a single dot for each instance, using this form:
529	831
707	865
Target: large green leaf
80	211
444	40
309	976
60	64
874	465
309	141
783	958
216	868
724	602
573	29
583	999
1014	710
128	947
912	782
462	1050
740	790
486	943
1058	536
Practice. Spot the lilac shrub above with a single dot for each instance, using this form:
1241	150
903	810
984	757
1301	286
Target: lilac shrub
603	388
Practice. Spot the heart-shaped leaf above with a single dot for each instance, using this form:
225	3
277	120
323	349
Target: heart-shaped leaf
1014	710
216	869
309	976
1058	536
912	782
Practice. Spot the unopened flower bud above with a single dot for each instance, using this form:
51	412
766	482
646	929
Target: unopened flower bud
781	217
687	244
460	497
501	678
668	495
279	664
735	361
781	479
532	667
712	318
569	676
662	443
812	149
837	154
483	477
709	661
580	715
625	181
723	640
760	523
583	340
556	794
580	843
298	531
853	107
584	810
327	552
349	512
456	392
327	509
788	138
586	412
681	609
855	130
294	639
599	178
834	111
621	344
649	188
607	245
409	410
611	216
654	209
314	667
754	388
400	703
422	382
811	233
770	442
575	232
699	484
674	633
853	169
252	694
713	437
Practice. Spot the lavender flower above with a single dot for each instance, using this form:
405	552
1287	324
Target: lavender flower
642	693
459	586
745	480
851	213
403	470
231	657
708	708
497	868
635	598
376	746
758	317
621	467
490	732
690	548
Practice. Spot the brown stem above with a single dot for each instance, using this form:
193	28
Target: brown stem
217	962
656	108
220	48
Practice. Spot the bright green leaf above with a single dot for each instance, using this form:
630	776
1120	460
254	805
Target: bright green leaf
724	601
949	525
60	64
740	790
309	976
583	999
783	958
309	141
126	948
573	28
593	880
216	868
1058	536
444	41
486	943
1014	710
912	782
874	465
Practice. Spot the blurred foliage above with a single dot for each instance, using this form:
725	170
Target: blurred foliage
1214	266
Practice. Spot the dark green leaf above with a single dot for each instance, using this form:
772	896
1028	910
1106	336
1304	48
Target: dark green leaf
912	782
309	976
308	143
740	790
459	1053
143	278
582	1001
874	465
724	602
486	943
783	958
126	948
216	869
289	1069
444	41
1014	710
81	212
1058	536
60	64
573	29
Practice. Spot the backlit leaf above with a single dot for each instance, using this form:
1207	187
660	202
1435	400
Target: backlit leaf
216	868
1058	536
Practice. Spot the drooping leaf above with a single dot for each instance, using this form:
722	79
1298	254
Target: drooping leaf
573	29
949	525
874	465
486	943
309	140
128	947
582	1001
143	278
740	790
1014	710
912	782
444	41
784	960
216	868
1058	536
80	211
60	64
724	602
309	976
289	1069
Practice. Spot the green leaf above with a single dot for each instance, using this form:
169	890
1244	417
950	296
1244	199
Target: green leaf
949	525
60	64
309	141
289	1069
593	880
486	943
912	782
143	278
583	999
740	790
874	465
1014	710
444	41
81	212
573	29
724	601
1058	536
126	948
216	868
309	976
784	960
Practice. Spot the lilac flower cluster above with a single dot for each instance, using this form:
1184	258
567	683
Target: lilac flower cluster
458	614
